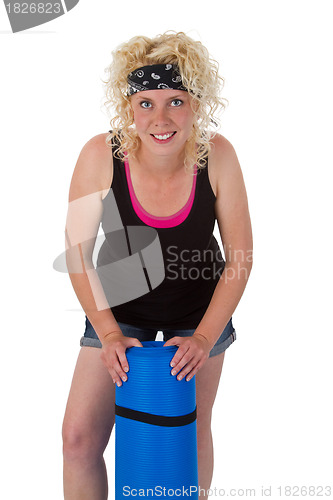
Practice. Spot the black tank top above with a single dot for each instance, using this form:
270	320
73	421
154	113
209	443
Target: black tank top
192	258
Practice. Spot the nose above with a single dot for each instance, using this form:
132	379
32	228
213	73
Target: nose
161	117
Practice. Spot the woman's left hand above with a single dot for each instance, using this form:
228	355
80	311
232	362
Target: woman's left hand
191	355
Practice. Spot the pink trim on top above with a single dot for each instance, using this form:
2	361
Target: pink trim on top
153	220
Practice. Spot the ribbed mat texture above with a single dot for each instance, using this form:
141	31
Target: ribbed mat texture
153	460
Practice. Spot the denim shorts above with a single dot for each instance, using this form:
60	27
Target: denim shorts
227	337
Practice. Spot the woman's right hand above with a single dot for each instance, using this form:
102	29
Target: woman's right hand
114	357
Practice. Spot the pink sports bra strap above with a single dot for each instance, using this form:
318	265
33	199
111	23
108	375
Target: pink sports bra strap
152	220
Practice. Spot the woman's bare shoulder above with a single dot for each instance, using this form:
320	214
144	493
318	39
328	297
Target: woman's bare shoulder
221	158
93	169
221	148
97	143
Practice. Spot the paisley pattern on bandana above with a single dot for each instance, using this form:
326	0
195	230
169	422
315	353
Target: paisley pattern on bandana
155	76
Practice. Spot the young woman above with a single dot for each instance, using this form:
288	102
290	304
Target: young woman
159	167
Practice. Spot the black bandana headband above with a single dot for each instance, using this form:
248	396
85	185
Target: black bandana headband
155	76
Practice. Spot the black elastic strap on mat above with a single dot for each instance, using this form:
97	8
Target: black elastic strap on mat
161	420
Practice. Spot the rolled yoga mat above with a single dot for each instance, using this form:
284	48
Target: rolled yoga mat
156	428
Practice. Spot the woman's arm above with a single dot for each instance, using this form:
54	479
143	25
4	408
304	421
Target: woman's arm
91	177
90	183
234	223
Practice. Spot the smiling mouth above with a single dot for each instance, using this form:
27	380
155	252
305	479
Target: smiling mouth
163	137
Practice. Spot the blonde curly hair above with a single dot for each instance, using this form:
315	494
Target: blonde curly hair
200	77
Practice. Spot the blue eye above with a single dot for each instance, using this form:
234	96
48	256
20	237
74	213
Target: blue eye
145	104
176	102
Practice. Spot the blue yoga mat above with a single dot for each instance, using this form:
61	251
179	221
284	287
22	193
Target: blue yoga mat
156	431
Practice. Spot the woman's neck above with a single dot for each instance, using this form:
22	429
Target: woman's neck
159	166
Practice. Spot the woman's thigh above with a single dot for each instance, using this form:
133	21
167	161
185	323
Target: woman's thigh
90	408
206	384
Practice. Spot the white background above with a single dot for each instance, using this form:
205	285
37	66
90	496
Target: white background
272	417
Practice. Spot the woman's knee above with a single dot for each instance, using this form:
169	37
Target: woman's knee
83	442
89	415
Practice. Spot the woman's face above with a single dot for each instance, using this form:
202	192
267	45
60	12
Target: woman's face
163	119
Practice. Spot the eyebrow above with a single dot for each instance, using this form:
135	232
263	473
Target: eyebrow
181	97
